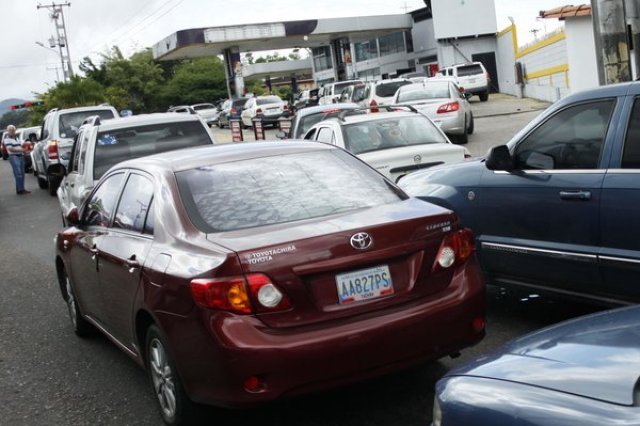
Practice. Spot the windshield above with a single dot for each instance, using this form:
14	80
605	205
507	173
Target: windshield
115	146
386	90
71	122
426	91
389	133
268	100
469	70
203	106
284	188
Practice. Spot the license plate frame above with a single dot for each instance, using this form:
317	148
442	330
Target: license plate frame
364	284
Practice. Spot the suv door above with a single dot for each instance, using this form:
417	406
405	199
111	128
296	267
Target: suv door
620	211
123	251
541	221
71	179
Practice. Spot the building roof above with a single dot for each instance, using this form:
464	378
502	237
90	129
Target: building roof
564	12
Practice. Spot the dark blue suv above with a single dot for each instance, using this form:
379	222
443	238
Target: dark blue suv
558	208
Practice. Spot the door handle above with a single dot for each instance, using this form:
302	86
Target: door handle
132	263
575	195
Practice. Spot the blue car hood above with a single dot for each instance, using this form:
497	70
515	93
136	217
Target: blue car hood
597	357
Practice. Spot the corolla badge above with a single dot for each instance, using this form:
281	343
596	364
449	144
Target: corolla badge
361	241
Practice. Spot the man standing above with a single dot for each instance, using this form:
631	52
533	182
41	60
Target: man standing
16	158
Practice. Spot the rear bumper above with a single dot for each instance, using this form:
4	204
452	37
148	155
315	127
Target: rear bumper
273	119
451	123
476	90
219	351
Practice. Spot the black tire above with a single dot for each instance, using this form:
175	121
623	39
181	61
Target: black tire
165	381
484	97
81	327
42	183
471	127
53	184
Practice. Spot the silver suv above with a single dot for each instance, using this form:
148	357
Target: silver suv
473	77
59	129
101	145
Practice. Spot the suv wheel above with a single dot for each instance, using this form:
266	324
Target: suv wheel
484	97
53	184
42	182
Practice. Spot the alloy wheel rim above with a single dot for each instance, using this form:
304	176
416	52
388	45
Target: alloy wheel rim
162	378
71	303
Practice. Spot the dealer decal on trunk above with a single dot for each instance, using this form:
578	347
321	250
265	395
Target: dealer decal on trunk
267	255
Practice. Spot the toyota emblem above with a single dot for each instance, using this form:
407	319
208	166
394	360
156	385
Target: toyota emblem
361	241
417	159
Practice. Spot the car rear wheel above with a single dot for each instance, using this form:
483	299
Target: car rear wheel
42	182
484	97
53	184
81	327
471	127
175	407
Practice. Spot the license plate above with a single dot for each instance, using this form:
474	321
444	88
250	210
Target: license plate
364	284
472	80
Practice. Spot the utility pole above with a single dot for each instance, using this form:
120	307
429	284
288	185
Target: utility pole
57	16
612	44
632	10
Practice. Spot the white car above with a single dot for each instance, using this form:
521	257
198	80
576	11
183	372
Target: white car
330	92
379	93
473	77
394	143
444	102
208	112
102	144
269	108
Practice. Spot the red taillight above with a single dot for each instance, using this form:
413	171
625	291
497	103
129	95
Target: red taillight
253	384
488	77
52	150
374	105
233	110
285	107
231	294
259	111
455	249
450	107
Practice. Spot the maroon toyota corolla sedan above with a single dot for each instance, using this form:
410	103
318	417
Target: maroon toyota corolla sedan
243	273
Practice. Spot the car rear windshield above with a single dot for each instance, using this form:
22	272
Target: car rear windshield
203	106
268	100
427	91
389	133
239	103
280	189
308	121
386	90
114	146
71	121
468	70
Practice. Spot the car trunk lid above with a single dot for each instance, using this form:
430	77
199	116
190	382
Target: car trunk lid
308	261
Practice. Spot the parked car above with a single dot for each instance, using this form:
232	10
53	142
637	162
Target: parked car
555	210
394	143
444	102
231	110
238	274
330	92
307	98
101	145
581	372
59	128
379	93
351	94
208	112
3	149
182	109
268	108
473	77
304	119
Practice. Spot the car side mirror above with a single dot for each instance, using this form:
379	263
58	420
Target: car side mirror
499	158
73	216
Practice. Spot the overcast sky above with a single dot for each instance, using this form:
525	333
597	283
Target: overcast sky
93	25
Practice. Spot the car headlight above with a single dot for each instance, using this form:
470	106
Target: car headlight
437	413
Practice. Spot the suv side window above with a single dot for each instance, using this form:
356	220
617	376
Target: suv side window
311	135
571	139
102	203
134	204
631	152
325	134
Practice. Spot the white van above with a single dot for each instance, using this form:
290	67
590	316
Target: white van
473	77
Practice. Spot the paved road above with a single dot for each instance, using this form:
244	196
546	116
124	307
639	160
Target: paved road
50	377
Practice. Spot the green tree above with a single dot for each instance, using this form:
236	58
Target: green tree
19	118
76	92
196	80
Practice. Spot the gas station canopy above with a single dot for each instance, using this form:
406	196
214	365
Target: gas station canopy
200	42
277	69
